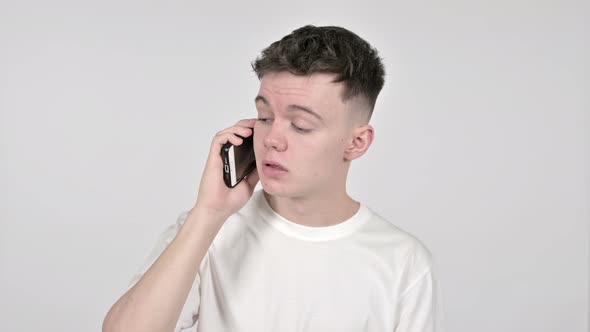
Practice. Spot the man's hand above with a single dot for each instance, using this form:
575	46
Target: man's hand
214	196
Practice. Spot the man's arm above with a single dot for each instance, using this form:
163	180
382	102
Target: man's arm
154	303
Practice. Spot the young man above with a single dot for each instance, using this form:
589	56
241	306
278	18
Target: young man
301	254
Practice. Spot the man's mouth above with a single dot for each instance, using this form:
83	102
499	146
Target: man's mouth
274	165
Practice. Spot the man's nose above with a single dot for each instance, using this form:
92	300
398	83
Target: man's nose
275	139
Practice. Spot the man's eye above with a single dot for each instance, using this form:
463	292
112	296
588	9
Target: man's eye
263	119
301	130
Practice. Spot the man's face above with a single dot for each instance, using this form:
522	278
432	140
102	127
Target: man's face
303	125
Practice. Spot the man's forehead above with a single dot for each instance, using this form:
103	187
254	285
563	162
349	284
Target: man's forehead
315	88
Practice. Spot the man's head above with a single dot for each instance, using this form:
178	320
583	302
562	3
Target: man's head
329	50
318	90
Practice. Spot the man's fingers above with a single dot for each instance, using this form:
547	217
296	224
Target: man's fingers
246	122
221	139
242	131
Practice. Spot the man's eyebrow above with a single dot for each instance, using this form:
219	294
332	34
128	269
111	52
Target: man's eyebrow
261	99
292	107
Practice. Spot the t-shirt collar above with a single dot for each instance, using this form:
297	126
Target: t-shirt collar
308	233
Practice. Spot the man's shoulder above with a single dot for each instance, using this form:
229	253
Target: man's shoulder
392	230
397	240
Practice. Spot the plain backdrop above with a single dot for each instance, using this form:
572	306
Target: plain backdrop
482	149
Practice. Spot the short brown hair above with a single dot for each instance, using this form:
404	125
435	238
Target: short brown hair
327	49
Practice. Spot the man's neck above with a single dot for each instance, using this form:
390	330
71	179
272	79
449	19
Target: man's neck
315	211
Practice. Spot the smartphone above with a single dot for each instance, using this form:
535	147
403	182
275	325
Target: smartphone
238	161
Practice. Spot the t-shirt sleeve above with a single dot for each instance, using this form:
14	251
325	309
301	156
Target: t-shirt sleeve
188	318
420	305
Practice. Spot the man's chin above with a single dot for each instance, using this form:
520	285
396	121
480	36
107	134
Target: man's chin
276	189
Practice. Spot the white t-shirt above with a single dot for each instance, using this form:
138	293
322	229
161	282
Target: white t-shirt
265	273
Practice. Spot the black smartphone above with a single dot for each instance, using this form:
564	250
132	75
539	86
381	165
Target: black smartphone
238	160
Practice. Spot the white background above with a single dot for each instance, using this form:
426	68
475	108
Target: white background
482	148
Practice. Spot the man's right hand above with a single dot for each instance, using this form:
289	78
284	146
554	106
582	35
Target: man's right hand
214	196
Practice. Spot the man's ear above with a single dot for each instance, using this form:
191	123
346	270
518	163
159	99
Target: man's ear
360	141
